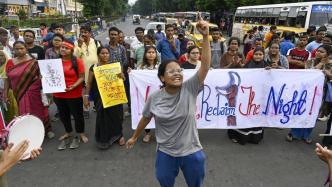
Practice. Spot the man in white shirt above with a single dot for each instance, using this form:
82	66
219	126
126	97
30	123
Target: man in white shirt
14	35
318	42
137	43
4	45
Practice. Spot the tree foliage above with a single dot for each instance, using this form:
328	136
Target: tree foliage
104	7
146	7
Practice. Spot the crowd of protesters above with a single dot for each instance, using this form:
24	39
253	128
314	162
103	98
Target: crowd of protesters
169	53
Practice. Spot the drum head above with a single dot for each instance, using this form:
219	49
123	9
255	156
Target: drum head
27	127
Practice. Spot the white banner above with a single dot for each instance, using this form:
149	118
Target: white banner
53	79
243	98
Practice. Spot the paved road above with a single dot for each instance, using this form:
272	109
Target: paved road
272	163
127	27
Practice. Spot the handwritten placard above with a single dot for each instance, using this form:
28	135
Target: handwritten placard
53	80
110	86
243	98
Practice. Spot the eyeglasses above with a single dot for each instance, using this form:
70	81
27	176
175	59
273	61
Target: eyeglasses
174	71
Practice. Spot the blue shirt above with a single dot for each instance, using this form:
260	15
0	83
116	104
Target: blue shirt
183	46
159	36
48	37
312	46
285	46
165	49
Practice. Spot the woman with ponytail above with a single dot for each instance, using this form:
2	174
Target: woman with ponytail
70	103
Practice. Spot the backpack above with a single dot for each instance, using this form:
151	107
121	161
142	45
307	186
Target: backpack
98	43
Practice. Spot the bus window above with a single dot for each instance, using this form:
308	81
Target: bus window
270	12
276	12
246	13
300	19
293	12
291	20
254	13
282	20
321	15
259	12
264	12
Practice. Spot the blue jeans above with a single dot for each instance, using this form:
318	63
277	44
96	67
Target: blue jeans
192	166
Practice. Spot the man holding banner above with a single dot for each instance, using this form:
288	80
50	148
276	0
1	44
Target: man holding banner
173	108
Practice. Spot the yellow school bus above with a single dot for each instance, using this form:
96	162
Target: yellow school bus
291	17
193	34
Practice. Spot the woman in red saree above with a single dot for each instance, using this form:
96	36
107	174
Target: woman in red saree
24	79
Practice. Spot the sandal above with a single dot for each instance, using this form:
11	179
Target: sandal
65	136
122	141
84	138
308	141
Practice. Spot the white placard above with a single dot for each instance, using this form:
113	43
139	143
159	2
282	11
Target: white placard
243	98
53	79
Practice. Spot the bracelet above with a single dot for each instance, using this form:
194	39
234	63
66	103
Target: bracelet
86	95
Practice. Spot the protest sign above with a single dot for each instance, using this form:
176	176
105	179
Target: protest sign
243	98
53	80
110	86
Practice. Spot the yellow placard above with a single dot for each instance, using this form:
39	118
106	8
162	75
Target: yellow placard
110	86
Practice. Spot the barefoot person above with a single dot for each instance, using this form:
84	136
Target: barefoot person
173	108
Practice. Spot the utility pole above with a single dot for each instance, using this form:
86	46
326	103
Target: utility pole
75	11
76	20
30	7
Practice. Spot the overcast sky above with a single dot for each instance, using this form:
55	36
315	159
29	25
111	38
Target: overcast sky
131	2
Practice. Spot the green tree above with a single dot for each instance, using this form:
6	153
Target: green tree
104	7
22	14
144	6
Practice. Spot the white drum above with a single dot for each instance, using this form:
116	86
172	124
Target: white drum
26	127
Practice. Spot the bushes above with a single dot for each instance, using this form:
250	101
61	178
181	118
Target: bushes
34	22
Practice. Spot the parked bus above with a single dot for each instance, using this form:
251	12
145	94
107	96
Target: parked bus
292	17
193	16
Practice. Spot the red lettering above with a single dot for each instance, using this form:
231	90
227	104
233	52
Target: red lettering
251	107
313	101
